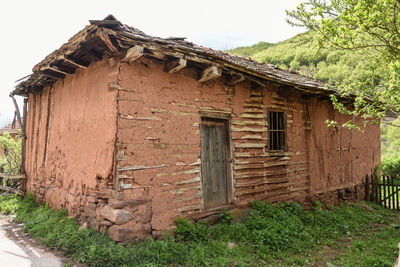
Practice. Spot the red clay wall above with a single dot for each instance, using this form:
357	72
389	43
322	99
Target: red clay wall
71	131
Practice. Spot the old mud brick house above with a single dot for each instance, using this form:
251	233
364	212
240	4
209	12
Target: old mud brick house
128	131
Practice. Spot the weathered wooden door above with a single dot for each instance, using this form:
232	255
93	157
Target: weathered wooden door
215	155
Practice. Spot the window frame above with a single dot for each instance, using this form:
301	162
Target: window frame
284	130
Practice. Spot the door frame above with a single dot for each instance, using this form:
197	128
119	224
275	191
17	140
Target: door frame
225	116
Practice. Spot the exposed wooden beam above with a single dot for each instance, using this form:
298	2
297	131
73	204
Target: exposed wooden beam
55	69
23	159
17	111
133	53
9	189
175	65
105	23
210	73
236	79
12	176
53	76
107	41
72	62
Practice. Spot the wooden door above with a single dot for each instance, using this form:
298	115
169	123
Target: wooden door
215	155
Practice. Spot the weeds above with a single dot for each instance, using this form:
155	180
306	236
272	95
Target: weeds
282	234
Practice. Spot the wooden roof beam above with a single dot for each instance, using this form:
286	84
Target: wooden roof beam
73	62
210	73
236	79
133	53
55	76
107	41
55	69
175	65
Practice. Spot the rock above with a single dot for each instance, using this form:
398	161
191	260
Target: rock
102	200
105	222
119	233
156	234
116	216
90	209
367	207
239	215
83	226
146	216
92	199
231	245
147	228
119	204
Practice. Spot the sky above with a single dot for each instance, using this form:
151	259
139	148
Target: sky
33	29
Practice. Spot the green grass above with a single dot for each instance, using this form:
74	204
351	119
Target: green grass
272	235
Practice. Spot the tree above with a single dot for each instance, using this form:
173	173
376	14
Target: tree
10	162
370	28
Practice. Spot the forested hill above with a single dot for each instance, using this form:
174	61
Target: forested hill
302	54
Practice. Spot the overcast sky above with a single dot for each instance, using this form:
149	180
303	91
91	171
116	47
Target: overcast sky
33	29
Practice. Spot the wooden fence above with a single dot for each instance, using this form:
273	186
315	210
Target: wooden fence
384	190
21	188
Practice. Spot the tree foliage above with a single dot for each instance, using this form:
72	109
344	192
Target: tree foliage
248	51
10	162
369	29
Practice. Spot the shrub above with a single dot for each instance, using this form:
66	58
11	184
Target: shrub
391	165
187	231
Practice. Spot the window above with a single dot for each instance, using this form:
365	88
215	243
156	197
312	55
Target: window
277	130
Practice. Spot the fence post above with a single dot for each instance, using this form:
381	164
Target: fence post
367	198
392	193
378	191
384	180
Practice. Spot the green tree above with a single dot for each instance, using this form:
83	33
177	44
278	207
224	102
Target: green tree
368	28
10	162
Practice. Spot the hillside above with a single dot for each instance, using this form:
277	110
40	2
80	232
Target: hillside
302	54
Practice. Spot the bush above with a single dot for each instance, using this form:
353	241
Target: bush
391	165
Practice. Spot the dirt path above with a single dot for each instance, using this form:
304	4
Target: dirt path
17	249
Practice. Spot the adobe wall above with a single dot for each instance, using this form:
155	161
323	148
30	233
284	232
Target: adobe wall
158	158
71	131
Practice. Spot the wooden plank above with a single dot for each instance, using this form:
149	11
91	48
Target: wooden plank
106	40
175	65
17	111
23	156
13	190
133	53
216	114
12	176
210	73
236	79
135	168
56	69
384	182
72	62
393	193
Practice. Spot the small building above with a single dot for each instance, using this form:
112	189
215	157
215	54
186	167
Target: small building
128	131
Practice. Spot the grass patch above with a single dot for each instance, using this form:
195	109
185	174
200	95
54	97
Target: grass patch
275	235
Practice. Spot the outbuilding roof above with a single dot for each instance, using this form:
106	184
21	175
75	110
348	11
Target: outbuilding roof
112	38
11	128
